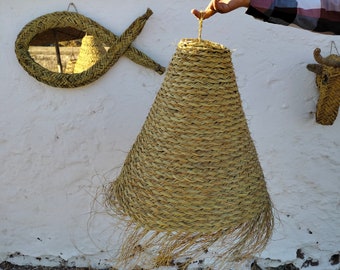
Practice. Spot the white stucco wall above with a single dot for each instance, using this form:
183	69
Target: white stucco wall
58	147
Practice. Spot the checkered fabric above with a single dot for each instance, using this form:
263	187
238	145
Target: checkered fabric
314	15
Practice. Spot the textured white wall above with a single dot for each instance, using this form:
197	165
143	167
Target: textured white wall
58	147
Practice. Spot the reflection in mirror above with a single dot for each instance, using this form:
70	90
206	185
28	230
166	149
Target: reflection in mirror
91	50
65	50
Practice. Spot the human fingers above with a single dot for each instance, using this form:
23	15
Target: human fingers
203	14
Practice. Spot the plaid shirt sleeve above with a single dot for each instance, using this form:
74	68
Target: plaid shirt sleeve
314	15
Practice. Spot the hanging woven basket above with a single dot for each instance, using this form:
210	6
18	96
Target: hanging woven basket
192	180
328	82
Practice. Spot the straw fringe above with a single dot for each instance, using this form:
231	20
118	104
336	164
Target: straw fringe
233	245
192	180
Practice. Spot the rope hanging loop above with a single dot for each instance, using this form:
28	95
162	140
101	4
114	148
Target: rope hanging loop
200	26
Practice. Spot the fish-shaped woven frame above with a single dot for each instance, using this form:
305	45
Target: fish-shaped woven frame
118	46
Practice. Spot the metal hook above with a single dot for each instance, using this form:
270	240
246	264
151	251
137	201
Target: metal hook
335	48
73	5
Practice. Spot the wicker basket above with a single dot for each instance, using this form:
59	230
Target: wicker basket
328	83
192	178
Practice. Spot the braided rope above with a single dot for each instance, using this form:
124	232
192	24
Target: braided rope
192	177
200	27
118	47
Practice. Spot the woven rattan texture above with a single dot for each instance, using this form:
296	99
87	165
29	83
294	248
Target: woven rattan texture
193	168
329	95
328	83
118	46
91	51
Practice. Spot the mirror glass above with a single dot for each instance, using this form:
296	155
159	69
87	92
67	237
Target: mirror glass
66	50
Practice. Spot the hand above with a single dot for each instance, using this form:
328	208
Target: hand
220	6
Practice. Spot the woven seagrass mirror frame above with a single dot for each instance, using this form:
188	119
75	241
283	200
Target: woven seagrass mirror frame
118	46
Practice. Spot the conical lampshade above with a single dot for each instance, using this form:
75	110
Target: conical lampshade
192	178
91	50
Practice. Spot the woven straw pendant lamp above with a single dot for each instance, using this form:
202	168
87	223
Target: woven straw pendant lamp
91	50
192	181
